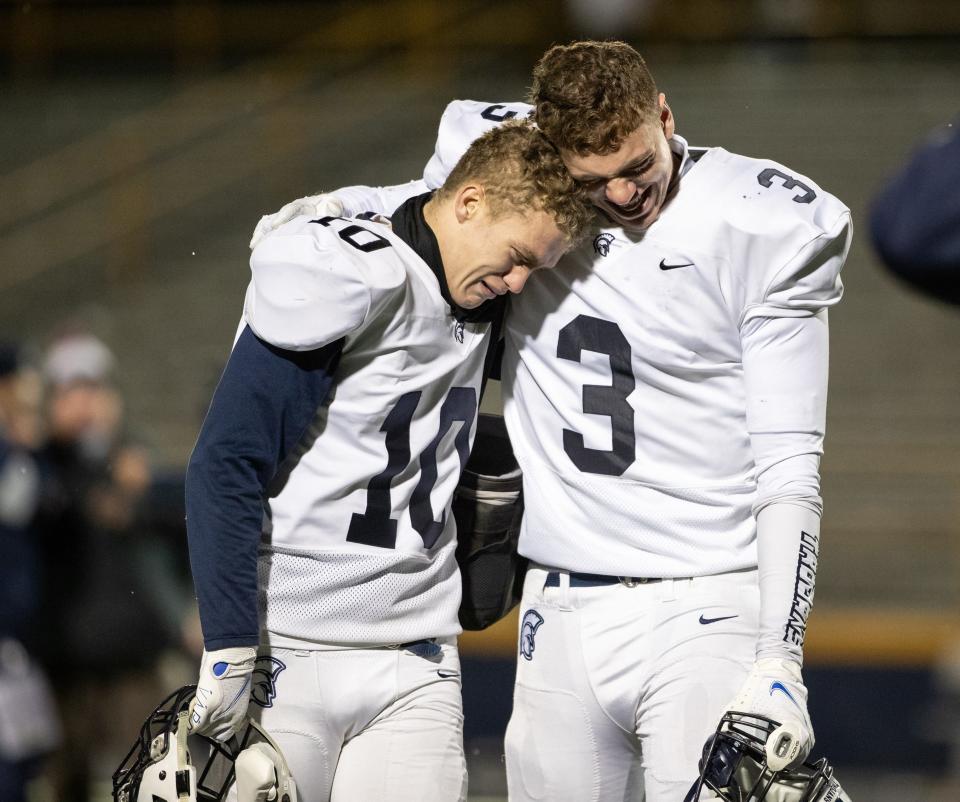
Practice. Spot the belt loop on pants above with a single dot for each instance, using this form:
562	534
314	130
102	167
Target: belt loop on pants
564	585
561	581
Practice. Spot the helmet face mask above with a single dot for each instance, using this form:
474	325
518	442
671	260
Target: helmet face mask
162	766
734	767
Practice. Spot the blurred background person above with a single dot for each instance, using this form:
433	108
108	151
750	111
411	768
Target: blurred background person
915	217
29	727
113	603
915	229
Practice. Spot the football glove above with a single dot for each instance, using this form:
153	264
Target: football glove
223	692
774	688
313	205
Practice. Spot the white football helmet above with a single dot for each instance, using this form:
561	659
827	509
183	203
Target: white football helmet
165	765
734	767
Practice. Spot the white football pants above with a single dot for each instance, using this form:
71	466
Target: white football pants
366	724
619	687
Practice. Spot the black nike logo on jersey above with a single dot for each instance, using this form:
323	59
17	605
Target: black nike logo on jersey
665	266
714	620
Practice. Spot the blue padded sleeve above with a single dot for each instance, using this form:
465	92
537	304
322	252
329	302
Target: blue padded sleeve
262	406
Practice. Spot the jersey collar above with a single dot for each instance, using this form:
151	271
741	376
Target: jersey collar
679	146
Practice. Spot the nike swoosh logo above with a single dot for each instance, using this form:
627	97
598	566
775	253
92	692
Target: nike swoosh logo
778	686
446	674
714	620
665	266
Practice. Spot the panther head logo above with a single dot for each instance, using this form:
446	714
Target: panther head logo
265	674
528	631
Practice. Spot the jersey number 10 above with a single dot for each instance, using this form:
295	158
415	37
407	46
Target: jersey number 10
374	526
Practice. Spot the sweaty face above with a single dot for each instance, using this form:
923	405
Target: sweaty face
631	184
498	254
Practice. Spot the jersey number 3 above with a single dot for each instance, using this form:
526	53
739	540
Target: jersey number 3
585	333
375	527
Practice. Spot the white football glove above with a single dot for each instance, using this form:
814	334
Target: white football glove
223	691
313	205
774	688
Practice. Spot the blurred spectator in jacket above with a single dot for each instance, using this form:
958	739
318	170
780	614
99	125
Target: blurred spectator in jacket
28	723
915	218
113	600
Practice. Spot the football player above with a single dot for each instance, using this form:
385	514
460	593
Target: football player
665	393
318	493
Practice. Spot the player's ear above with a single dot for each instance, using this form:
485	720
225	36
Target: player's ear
468	201
666	117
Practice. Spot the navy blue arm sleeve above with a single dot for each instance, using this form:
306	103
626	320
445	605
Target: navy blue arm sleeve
264	403
915	219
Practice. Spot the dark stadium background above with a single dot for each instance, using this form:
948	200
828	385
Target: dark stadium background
141	141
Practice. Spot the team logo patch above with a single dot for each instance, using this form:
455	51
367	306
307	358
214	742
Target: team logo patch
265	674
528	631
602	243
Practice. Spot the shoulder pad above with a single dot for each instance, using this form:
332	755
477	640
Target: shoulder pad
461	123
786	237
316	280
760	195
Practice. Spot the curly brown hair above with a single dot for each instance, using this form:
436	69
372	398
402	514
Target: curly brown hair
520	170
590	96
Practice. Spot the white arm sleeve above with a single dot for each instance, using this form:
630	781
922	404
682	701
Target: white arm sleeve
785	363
380	200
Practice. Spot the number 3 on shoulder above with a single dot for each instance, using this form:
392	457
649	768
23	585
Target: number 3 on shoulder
765	179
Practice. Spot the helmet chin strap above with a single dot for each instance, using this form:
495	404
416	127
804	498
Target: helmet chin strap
183	718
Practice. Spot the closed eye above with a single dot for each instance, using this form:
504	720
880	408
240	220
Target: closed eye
523	259
593	183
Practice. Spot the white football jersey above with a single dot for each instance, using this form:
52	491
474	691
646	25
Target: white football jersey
624	386
359	540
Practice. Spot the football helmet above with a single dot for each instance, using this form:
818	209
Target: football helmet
164	765
734	767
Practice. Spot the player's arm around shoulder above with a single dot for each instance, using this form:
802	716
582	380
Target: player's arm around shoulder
787	237
461	123
314	280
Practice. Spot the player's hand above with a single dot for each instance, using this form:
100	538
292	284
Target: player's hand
263	776
774	688
223	691
313	205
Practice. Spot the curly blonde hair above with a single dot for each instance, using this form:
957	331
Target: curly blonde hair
520	170
590	96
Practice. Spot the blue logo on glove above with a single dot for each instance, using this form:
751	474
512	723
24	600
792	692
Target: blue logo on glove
778	686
